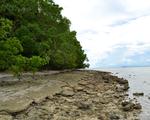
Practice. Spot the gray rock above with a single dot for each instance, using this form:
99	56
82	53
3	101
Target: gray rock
126	86
114	116
116	96
138	94
127	105
137	106
95	100
83	83
122	81
6	117
104	100
119	88
84	105
67	92
78	88
122	87
106	81
90	92
124	103
102	117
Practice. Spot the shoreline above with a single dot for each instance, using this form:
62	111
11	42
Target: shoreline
68	95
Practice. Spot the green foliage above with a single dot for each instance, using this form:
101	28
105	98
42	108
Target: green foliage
36	30
10	47
34	63
19	65
5	28
8	50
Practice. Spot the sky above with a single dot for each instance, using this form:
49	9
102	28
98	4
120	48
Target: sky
112	32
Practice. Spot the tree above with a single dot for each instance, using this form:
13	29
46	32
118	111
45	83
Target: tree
42	31
34	63
19	66
10	47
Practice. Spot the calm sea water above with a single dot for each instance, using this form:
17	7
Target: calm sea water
139	81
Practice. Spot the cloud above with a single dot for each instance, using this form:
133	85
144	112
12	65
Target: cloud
127	55
125	21
128	20
111	30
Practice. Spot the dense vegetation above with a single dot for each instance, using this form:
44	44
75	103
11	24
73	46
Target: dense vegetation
34	34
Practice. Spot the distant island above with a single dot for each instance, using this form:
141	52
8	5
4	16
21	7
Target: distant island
135	66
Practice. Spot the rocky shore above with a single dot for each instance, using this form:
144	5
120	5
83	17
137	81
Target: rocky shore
71	95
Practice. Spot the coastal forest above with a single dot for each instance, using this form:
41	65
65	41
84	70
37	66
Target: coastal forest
35	35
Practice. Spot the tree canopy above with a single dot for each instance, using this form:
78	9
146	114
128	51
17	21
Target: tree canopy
36	35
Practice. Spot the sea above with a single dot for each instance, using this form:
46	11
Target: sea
139	81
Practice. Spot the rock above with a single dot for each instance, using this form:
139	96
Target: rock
6	117
106	77
119	88
126	94
59	117
100	95
126	87
103	101
114	116
83	83
90	92
138	94
124	103
109	92
127	105
137	106
90	86
78	88
102	117
67	93
116	95
122	81
95	100
106	81
77	99
85	118
84	105
122	87
46	108
69	100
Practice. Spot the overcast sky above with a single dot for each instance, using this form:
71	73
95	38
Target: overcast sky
112	32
